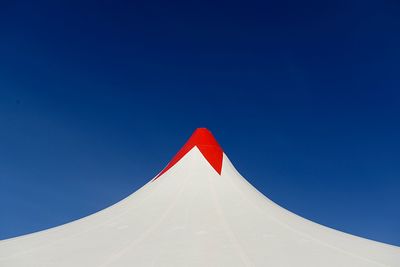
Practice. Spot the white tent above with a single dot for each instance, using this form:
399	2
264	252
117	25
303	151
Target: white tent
199	211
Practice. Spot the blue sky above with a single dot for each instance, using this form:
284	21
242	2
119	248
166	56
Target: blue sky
97	96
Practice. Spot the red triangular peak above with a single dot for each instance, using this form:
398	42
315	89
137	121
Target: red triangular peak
208	146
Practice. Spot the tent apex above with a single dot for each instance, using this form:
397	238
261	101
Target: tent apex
204	140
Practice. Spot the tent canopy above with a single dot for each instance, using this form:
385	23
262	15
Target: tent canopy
199	211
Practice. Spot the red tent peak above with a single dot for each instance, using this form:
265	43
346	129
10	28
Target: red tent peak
203	139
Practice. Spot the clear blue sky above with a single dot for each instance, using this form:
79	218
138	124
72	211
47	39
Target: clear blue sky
97	96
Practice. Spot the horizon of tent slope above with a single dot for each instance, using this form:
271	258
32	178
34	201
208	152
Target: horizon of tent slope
198	211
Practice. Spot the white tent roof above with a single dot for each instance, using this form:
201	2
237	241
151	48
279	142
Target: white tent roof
199	211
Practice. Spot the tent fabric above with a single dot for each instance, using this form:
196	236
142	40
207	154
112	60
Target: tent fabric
192	215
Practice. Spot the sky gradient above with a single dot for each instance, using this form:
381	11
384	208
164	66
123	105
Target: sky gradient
97	96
